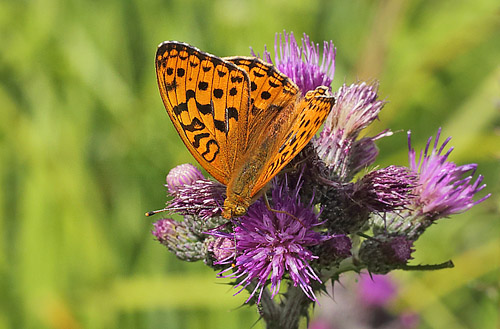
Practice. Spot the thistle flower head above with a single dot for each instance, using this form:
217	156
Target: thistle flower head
386	189
443	188
202	198
177	237
384	253
333	250
184	174
355	108
164	229
274	245
222	249
303	64
399	249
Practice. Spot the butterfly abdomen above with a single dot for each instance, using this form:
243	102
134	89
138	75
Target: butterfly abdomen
240	187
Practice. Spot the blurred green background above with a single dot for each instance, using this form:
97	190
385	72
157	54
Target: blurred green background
86	144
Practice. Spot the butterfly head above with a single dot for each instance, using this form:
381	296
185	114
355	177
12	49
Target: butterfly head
234	208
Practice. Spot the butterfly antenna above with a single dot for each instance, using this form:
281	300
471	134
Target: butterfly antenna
154	212
282	211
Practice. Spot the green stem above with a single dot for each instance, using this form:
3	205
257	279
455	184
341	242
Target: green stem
287	314
268	310
347	265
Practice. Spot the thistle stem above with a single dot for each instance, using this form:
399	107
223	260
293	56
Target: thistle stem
288	312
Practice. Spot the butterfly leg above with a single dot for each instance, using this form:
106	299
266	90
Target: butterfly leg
266	200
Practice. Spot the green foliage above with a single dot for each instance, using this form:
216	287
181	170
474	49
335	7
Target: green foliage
85	147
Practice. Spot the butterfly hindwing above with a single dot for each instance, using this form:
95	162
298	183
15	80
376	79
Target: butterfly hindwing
270	91
207	100
310	114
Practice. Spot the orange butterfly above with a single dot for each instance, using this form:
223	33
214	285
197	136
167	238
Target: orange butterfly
239	117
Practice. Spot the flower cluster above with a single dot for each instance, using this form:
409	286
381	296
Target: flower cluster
331	212
271	245
443	187
303	64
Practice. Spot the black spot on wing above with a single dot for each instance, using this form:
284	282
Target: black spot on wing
265	95
274	85
236	79
206	155
202	85
258	74
195	125
220	125
198	138
204	108
190	94
218	93
232	113
179	108
283	156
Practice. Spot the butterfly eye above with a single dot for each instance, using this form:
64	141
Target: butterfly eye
240	211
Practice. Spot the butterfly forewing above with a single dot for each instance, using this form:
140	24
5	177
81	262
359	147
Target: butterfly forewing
207	100
309	115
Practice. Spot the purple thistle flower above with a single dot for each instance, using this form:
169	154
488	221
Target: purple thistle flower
163	229
181	175
271	244
203	198
386	189
222	248
334	151
302	63
441	189
179	239
355	108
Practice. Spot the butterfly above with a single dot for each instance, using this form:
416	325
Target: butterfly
240	118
